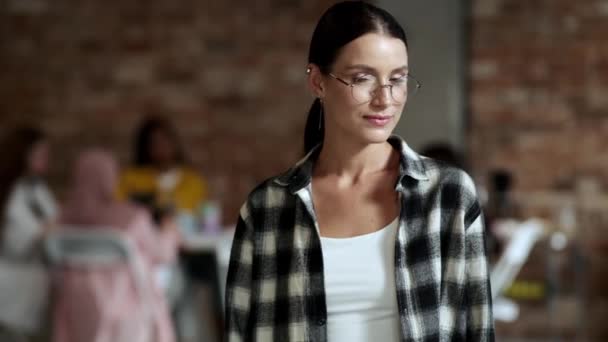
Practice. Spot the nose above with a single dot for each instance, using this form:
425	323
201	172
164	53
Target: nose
382	96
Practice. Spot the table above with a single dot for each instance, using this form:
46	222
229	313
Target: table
206	257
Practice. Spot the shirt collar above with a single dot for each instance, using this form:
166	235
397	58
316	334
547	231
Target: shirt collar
300	175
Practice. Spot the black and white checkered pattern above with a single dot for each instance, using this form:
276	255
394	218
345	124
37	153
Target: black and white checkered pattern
275	287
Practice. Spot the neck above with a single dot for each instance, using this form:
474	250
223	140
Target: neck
31	177
351	160
164	166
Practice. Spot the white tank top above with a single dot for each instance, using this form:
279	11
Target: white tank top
360	287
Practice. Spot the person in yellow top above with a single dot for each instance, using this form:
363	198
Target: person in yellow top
161	180
160	177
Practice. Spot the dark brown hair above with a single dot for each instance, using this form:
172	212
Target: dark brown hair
17	146
338	26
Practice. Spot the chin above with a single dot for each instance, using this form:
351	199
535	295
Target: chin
376	136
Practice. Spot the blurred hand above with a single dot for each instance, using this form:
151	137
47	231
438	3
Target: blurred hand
51	225
169	226
48	227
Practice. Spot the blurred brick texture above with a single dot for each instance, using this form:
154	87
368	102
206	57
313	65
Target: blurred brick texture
539	108
229	74
539	86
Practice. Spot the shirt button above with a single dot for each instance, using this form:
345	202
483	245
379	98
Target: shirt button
321	321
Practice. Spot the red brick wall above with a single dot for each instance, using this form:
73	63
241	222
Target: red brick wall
229	74
539	96
539	108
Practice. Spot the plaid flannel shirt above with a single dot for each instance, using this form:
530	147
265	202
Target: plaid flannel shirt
275	286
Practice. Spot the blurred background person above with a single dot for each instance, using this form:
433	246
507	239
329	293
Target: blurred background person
101	304
501	206
162	180
29	207
513	85
444	152
28	213
160	176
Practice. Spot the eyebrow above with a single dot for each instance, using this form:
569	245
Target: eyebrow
368	68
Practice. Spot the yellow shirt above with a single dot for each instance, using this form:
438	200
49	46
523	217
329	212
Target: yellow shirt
189	192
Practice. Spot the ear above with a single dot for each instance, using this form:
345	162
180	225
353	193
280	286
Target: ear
315	81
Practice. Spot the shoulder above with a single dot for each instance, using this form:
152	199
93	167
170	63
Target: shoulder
15	200
455	186
445	174
267	193
19	193
136	172
18	189
191	175
267	196
43	190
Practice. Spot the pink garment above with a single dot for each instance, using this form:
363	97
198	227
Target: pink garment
91	199
104	305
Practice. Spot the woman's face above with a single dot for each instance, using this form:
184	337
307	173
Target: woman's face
162	150
372	116
38	158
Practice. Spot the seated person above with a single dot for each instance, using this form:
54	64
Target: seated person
29	209
160	177
28	214
102	304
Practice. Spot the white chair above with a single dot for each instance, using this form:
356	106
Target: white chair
522	239
87	247
97	247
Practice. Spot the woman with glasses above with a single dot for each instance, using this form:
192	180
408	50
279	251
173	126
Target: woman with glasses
363	239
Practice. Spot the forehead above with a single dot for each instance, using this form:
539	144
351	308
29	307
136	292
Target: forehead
378	51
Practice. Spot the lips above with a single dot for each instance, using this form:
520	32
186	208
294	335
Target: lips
378	120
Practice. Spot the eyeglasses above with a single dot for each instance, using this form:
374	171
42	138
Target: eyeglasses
364	88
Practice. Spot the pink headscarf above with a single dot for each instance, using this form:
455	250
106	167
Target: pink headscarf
93	306
91	200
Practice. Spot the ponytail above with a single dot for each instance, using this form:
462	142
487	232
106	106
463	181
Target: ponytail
315	128
339	25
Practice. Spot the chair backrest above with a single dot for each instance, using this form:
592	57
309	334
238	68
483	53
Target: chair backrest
87	247
95	247
522	240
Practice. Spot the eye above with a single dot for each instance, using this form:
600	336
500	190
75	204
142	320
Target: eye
398	79
362	79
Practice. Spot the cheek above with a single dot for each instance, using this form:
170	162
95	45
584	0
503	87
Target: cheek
341	102
399	110
341	113
338	93
39	159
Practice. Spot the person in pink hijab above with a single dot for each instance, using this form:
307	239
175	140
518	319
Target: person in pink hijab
101	305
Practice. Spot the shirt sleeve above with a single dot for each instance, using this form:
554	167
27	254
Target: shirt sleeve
480	322
47	201
22	230
239	281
